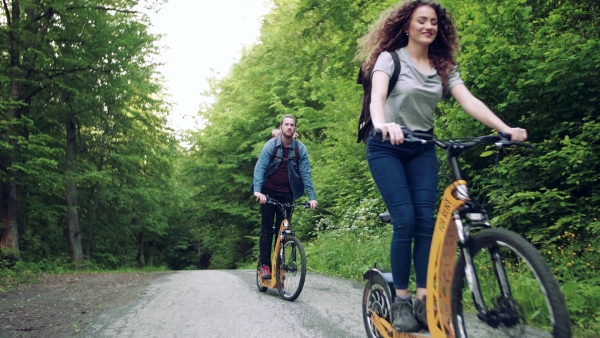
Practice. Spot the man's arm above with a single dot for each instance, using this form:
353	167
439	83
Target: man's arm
306	175
259	170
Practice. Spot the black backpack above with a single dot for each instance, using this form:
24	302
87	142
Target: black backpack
364	122
296	153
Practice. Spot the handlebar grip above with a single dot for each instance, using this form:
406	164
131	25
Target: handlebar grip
410	135
504	135
516	143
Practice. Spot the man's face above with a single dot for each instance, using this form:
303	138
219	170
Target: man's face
288	127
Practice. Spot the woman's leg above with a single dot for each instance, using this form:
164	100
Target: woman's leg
388	171
422	178
386	163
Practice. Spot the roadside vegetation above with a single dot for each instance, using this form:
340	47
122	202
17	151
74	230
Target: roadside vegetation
24	273
347	247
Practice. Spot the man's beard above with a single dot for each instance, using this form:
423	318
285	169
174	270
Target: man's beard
286	136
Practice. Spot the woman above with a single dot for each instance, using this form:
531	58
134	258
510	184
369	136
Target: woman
423	35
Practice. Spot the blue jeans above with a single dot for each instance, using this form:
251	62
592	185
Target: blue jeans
406	176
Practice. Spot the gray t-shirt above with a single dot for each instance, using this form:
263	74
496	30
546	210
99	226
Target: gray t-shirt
413	100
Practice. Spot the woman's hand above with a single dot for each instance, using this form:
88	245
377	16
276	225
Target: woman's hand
391	130
277	132
516	134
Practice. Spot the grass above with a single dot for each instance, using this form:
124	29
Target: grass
20	272
348	255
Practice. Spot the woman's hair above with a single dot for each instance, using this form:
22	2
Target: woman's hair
389	34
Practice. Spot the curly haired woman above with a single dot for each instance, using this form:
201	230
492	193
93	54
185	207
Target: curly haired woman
423	35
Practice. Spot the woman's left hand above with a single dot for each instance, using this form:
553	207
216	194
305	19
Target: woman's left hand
516	134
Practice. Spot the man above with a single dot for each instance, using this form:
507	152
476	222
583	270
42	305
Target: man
283	173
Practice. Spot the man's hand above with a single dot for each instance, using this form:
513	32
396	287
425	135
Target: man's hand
277	133
313	204
261	198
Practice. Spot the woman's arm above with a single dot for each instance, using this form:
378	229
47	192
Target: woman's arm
379	88
474	107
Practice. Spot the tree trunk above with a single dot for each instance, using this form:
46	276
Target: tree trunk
98	188
94	220
141	258
22	209
9	236
73	218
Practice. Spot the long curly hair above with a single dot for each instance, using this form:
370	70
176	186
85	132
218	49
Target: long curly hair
387	34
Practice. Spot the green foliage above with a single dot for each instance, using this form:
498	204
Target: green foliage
558	191
574	262
582	303
348	245
23	272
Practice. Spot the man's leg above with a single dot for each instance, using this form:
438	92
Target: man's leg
265	242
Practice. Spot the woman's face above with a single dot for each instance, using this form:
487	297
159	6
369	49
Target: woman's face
423	26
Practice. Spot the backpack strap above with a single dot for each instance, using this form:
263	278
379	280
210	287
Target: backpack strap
364	121
393	79
274	150
296	151
396	74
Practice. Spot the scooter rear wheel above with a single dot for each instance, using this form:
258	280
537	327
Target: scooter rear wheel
376	299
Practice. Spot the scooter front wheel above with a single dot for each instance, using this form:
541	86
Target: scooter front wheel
291	269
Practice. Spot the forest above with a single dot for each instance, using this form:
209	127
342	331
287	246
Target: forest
92	177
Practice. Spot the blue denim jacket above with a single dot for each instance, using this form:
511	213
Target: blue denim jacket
299	171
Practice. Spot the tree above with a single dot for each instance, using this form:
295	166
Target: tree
76	70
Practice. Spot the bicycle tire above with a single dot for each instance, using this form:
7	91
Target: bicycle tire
377	299
540	309
290	272
259	285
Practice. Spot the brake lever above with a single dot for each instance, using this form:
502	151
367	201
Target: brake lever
410	136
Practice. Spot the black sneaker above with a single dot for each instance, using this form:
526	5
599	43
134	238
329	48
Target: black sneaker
404	318
420	313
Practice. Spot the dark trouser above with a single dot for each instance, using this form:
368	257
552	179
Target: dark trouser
270	212
406	176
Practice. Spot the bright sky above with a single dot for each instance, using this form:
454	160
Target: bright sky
203	38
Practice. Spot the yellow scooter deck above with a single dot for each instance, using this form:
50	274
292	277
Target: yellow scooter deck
386	329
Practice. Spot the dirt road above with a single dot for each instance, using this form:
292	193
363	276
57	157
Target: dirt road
227	304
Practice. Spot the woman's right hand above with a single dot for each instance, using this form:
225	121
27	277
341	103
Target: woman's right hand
391	130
